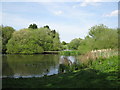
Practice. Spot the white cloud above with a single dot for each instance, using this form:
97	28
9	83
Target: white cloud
83	4
87	1
90	2
94	2
59	0
63	10
113	13
39	0
58	12
53	7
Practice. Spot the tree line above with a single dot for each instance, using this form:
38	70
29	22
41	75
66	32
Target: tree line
29	40
33	40
99	37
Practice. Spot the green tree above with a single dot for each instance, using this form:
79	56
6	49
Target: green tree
74	43
64	43
46	27
97	29
7	32
0	39
99	37
33	26
45	39
56	42
24	42
30	41
86	45
104	37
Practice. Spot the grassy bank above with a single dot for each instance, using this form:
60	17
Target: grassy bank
70	53
102	73
51	52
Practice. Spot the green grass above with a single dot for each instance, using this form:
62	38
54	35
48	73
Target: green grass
106	65
70	53
88	78
97	75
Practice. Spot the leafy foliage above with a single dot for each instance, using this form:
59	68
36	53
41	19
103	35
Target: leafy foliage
33	26
70	53
0	39
64	43
46	27
73	45
7	32
108	65
29	41
99	37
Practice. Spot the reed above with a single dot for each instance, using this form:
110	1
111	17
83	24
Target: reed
98	54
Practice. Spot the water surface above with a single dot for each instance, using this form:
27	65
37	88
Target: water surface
27	66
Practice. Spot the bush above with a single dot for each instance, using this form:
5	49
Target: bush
69	53
23	43
99	37
73	45
29	41
7	32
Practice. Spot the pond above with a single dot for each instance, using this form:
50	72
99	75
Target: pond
27	66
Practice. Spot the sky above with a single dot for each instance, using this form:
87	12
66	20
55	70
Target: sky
70	19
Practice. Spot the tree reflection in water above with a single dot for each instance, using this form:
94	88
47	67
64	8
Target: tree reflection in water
28	66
